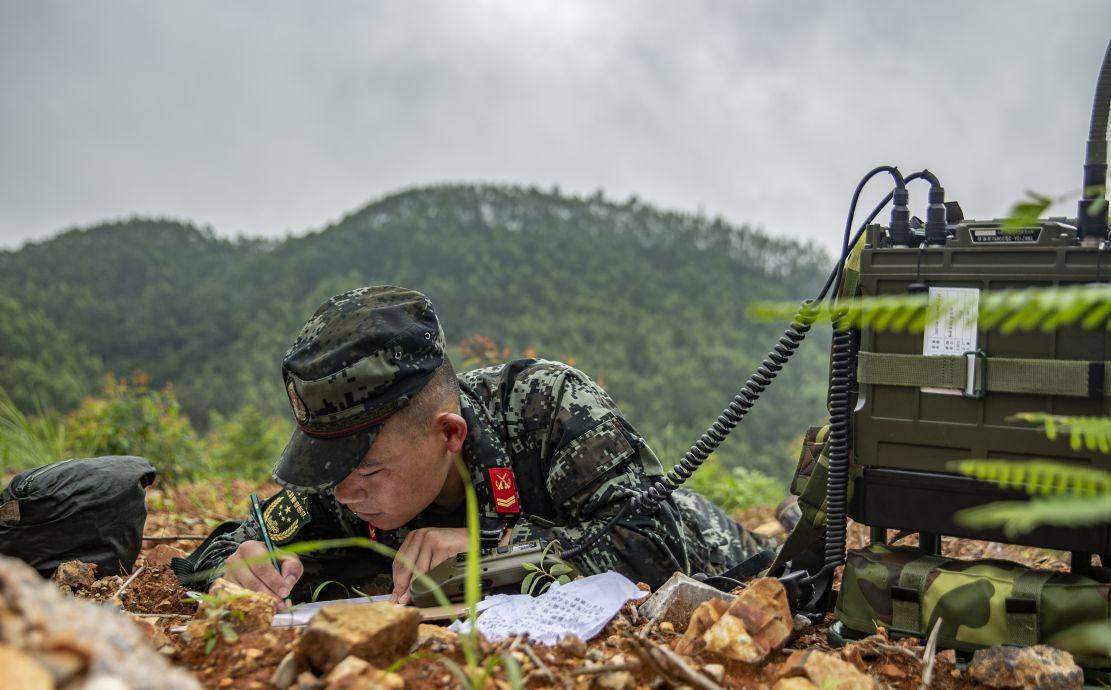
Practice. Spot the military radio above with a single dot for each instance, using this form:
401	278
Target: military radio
904	406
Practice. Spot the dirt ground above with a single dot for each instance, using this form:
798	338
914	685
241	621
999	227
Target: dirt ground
155	596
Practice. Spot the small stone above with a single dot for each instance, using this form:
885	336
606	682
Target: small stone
307	681
707	613
615	680
150	631
378	633
22	671
257	610
286	673
355	674
823	670
1040	667
76	575
756	624
613	641
794	684
349	666
667	627
160	555
427	634
800	623
676	601
572	644
770	529
225	683
716	672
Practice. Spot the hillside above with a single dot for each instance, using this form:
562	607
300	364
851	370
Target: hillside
649	302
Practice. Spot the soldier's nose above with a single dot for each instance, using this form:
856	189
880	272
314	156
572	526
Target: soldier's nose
347	492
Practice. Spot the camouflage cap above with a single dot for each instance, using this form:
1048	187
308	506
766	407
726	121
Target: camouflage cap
360	358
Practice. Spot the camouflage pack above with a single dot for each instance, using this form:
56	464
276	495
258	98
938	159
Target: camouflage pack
980	603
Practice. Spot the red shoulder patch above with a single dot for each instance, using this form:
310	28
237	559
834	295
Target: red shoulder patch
504	487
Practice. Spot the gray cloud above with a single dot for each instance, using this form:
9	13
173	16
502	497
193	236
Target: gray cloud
267	118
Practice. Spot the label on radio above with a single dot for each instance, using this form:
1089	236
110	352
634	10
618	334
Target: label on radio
993	235
951	318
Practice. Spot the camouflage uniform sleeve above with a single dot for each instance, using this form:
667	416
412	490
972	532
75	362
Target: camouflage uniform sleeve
597	460
287	514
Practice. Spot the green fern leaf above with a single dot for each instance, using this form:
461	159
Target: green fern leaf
1038	477
1019	517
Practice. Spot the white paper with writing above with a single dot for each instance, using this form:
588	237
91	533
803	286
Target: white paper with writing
582	607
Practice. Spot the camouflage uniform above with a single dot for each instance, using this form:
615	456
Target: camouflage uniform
574	460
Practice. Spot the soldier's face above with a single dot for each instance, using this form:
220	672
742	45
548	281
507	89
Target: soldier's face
402	474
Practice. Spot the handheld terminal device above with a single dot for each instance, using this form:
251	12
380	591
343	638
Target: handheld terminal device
499	567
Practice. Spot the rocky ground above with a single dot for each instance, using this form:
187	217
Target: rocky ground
749	642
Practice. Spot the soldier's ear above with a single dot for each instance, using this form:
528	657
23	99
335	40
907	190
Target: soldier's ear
452	430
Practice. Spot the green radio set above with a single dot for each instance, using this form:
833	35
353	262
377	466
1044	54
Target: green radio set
904	406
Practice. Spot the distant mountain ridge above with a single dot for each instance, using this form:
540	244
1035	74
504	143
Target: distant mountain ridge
650	301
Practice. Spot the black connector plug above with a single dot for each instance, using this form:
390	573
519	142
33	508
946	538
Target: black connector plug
899	229
936	221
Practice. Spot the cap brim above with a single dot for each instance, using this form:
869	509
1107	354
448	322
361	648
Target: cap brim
313	465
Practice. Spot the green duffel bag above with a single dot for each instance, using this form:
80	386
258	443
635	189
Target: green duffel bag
980	603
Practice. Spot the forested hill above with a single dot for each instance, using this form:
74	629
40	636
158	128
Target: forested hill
649	302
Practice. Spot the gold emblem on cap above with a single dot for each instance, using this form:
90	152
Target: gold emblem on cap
299	410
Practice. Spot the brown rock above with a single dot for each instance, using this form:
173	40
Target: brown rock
160	555
378	633
64	661
22	671
69	632
825	671
707	613
251	610
757	623
76	575
1040	667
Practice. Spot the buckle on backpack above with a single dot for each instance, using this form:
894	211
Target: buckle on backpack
970	388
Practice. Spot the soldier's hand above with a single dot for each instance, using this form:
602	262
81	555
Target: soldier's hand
424	549
259	575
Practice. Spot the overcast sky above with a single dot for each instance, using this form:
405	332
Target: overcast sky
268	118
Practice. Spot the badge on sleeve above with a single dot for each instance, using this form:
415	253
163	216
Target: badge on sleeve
504	488
285	515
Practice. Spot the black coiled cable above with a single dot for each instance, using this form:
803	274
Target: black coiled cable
840	409
732	415
740	405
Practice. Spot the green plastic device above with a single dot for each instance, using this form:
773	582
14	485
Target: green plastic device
502	566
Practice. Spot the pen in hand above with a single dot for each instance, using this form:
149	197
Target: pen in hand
256	508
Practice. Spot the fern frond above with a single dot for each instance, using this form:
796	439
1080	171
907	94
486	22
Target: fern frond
1019	517
1043	308
1038	477
1092	433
